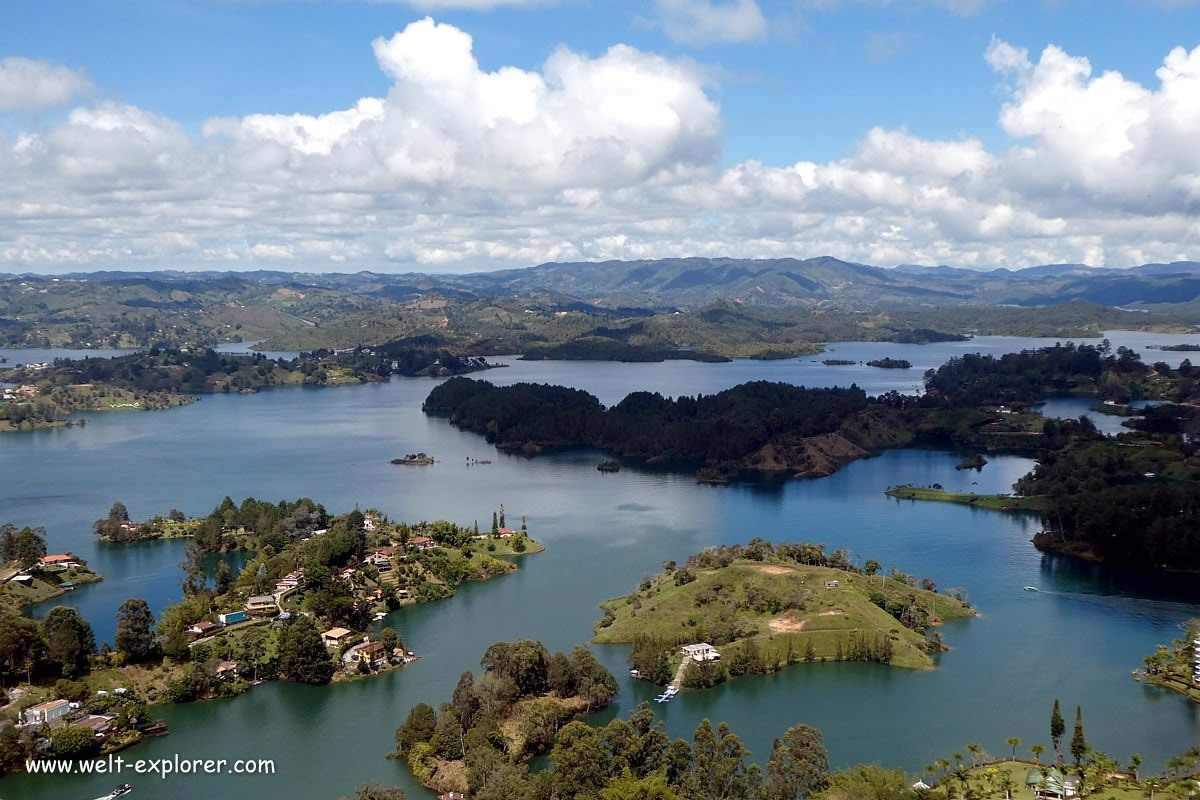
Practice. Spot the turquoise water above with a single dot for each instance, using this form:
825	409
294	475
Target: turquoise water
1077	639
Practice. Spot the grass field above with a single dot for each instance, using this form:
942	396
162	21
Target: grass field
1121	788
994	502
44	586
828	619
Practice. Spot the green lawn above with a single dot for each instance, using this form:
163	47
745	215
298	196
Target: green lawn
829	618
1121	788
994	502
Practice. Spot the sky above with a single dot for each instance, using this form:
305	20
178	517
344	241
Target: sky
467	135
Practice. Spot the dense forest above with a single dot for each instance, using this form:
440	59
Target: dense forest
1121	502
1033	375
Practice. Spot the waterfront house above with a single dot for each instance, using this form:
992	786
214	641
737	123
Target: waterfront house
98	724
46	713
373	653
700	652
226	670
233	617
59	561
336	637
261	604
421	543
506	533
201	629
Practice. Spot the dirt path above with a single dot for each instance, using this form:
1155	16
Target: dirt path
677	681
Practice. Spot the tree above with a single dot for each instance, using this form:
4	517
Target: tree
29	546
377	791
224	577
73	742
580	762
1037	750
798	764
71	641
868	782
418	728
502	525
302	655
8	534
447	738
1014	743
135	631
390	640
464	700
1135	763
1057	728
175	515
252	649
1079	745
626	787
22	645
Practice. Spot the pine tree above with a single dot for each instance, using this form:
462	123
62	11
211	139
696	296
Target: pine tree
502	515
495	525
1057	729
1079	745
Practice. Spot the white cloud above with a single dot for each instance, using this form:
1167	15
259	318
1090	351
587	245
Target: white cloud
708	22
27	85
611	156
476	5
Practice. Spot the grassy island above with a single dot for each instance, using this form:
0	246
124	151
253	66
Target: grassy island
994	502
765	606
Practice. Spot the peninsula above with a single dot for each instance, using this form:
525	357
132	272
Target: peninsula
753	609
30	575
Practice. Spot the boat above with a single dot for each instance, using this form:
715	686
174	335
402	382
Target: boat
120	791
1031	588
157	729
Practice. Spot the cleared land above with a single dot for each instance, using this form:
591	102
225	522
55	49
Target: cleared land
995	502
828	619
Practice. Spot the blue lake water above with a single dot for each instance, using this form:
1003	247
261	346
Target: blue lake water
1077	639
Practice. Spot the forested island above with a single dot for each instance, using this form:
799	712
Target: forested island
764	606
890	363
514	711
1116	500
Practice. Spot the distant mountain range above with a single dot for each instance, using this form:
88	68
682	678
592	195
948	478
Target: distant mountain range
685	283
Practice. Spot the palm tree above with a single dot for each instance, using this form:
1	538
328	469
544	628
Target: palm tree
958	759
1007	783
1037	750
942	764
1135	763
974	749
1014	743
1152	785
964	778
1175	765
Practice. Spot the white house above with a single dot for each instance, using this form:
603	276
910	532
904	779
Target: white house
45	713
700	652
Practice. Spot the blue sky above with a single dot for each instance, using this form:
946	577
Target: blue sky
801	82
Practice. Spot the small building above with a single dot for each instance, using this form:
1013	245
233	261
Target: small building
831	584
23	578
261	604
421	543
99	724
201	629
45	713
226	670
233	617
452	796
335	637
292	580
506	533
700	652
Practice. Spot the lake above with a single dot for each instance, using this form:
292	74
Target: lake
1076	639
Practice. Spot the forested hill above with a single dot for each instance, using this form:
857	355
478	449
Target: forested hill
1033	375
762	425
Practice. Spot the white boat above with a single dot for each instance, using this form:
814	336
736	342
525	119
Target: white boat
1031	588
120	791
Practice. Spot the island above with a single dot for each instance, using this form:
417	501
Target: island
30	405
976	461
513	712
890	363
753	609
837	362
994	502
609	465
415	460
30	575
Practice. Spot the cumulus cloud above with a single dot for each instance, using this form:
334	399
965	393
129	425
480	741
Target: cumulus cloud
26	84
708	22
609	156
